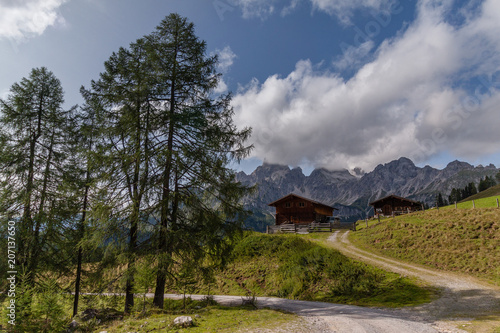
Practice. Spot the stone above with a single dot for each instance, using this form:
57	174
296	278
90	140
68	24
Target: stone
73	325
183	321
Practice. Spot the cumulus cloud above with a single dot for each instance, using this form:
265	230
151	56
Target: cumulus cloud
433	88
21	19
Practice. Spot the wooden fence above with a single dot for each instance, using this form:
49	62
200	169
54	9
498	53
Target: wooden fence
309	227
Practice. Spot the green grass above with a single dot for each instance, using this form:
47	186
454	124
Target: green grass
488	202
293	266
461	240
207	317
212	318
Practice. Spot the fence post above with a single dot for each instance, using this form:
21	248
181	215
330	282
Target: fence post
473	205
498	205
455	205
267	229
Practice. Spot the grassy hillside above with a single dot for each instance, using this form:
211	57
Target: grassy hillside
291	266
491	193
463	240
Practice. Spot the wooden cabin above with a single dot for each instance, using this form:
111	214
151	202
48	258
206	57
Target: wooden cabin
394	205
293	208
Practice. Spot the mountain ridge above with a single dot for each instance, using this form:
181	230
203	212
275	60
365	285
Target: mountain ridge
351	194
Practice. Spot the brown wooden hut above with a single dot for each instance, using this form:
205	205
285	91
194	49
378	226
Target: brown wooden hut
394	205
293	208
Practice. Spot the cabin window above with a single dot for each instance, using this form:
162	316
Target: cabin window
302	204
288	204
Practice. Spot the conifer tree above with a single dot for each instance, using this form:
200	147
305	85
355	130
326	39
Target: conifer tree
82	182
125	115
33	155
486	183
198	198
167	141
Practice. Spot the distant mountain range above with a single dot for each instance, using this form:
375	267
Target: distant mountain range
352	192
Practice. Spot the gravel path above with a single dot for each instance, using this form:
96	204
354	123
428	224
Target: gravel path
462	297
326	317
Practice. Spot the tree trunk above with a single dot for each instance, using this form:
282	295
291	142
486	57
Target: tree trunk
80	250
129	288
40	216
77	281
161	277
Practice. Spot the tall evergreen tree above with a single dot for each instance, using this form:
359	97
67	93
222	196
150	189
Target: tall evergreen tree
455	196
34	136
486	183
198	199
125	115
166	142
82	183
440	200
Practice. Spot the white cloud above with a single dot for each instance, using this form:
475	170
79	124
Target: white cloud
410	100
22	19
226	58
342	9
353	56
256	8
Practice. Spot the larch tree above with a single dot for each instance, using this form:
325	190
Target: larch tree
34	137
82	182
125	115
198	200
167	141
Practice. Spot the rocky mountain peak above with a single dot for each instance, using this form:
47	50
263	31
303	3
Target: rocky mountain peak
331	175
458	165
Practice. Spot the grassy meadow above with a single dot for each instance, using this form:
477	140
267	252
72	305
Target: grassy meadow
463	240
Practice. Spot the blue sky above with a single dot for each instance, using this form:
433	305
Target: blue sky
323	83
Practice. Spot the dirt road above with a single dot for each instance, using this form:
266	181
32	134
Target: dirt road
462	297
327	317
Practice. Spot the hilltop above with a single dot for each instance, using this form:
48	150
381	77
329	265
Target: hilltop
460	240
